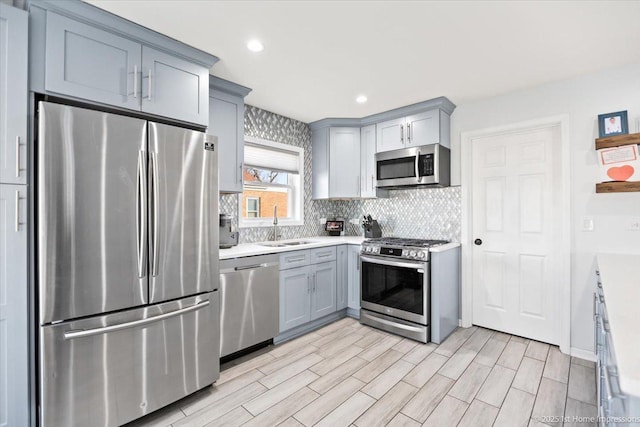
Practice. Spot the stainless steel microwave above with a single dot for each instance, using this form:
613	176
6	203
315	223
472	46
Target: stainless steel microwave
416	166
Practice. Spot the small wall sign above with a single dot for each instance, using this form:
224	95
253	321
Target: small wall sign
619	163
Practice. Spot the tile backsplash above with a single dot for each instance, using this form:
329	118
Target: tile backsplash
418	212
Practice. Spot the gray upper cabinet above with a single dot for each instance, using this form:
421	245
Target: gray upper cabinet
79	51
428	127
226	121
14	321
334	151
335	142
368	161
344	149
390	135
13	95
85	62
173	87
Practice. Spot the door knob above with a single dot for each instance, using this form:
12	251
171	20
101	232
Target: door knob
478	242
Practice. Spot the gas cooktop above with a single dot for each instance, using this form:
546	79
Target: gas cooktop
400	247
399	241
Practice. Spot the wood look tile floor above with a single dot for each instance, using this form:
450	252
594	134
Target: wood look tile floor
347	374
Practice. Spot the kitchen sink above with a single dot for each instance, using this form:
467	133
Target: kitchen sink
284	244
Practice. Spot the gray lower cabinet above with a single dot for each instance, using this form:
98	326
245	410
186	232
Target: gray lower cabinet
323	289
14	326
96	64
307	289
226	121
354	278
295	291
342	277
13	95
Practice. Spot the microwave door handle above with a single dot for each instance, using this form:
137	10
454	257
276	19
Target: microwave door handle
417	165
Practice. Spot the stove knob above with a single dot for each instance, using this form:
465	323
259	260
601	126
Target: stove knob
421	255
412	254
369	248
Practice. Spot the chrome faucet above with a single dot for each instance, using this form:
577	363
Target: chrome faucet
275	223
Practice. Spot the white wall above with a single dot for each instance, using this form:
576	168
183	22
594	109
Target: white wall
582	98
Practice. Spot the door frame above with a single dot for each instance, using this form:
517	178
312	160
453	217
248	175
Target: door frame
563	308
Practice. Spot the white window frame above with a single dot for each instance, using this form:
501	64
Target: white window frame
257	199
296	202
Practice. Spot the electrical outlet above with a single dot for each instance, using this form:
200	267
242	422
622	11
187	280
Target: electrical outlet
634	224
587	223
355	221
323	220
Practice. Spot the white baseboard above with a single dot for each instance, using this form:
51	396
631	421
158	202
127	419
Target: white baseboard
583	354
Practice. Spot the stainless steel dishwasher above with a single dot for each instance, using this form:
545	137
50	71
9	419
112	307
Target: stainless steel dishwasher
248	302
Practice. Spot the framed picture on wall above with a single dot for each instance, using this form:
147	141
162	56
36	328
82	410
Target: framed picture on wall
612	124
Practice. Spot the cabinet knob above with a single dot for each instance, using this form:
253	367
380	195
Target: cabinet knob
477	242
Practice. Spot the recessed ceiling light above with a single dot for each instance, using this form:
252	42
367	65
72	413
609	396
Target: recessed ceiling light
255	45
361	99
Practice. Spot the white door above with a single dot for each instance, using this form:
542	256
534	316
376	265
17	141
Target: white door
516	232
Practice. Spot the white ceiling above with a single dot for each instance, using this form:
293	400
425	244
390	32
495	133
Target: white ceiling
319	55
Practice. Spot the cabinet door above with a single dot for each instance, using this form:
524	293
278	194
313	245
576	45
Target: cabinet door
173	87
368	161
226	121
295	289
13	95
14	327
423	128
390	135
354	277
85	62
342	277
344	150
323	283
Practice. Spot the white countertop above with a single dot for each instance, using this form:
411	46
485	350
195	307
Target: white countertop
620	275
251	249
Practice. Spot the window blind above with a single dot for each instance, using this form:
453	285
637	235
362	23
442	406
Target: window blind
264	157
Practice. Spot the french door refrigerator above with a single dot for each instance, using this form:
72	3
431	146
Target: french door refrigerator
126	265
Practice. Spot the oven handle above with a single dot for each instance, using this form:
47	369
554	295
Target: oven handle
414	265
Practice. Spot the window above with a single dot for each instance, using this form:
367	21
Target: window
273	178
253	207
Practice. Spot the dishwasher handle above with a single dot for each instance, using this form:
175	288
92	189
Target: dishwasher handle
249	267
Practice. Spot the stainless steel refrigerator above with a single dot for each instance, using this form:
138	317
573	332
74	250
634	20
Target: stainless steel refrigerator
126	265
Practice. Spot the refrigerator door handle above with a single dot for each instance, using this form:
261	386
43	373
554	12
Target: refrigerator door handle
97	331
154	210
141	216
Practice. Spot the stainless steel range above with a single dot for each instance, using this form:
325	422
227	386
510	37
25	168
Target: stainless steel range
395	281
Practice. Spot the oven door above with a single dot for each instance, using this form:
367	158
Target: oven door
397	288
